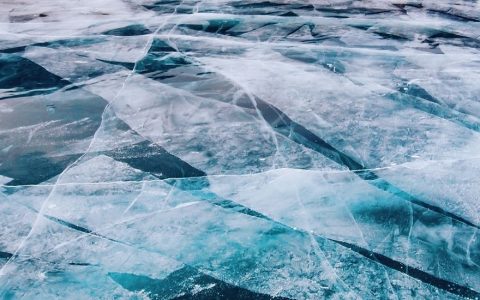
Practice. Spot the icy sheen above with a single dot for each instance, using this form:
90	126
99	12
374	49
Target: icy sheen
229	149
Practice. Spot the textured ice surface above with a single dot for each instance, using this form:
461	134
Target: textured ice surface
239	149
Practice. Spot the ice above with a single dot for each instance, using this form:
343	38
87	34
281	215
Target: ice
239	149
371	219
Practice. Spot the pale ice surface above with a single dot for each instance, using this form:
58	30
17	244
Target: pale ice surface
232	149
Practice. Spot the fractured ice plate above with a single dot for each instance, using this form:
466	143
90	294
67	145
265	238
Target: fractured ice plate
233	149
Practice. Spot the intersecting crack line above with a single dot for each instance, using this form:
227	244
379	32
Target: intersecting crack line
52	192
303	136
317	171
376	257
314	242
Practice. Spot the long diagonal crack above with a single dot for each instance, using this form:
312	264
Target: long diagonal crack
230	205
52	192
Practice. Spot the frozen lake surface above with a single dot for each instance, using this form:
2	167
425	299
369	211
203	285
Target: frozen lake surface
239	149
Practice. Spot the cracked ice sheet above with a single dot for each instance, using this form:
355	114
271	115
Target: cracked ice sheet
237	248
107	109
376	130
201	134
310	201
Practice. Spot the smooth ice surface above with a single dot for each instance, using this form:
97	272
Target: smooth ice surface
232	149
